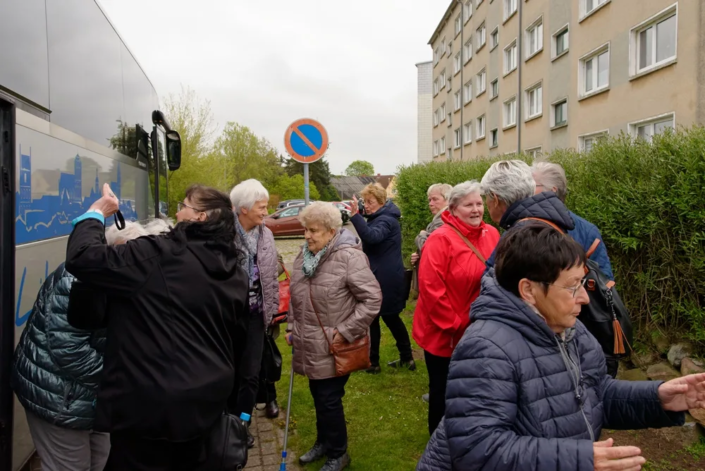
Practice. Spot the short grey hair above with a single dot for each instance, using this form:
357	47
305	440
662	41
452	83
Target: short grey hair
131	231
461	190
322	213
159	226
245	194
551	176
509	181
442	188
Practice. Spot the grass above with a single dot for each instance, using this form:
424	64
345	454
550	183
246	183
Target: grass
385	415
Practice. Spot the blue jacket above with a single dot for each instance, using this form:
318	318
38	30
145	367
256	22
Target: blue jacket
381	242
56	367
520	397
585	234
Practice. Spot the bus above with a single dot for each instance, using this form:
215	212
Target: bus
76	111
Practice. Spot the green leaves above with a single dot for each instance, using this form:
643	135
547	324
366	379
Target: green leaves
360	168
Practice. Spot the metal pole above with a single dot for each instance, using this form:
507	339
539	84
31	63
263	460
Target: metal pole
282	466
306	185
520	62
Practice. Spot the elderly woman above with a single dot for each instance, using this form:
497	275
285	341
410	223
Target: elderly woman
56	370
249	199
528	388
175	304
437	203
449	281
333	294
381	242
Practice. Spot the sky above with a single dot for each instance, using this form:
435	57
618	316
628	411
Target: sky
264	64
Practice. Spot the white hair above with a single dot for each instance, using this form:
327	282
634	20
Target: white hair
245	194
158	226
131	231
322	213
442	188
509	181
461	190
551	176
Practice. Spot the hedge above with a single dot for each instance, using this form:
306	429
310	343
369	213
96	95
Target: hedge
648	200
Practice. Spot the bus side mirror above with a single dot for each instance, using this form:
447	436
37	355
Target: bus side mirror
173	150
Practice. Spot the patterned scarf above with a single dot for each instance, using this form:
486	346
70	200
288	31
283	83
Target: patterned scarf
248	243
311	261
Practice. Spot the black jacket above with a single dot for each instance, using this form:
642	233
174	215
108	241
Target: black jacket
173	309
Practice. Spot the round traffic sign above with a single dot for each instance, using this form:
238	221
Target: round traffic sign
306	140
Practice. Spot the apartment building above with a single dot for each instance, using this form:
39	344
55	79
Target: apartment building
536	75
424	112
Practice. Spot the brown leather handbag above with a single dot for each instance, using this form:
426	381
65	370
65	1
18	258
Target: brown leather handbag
349	356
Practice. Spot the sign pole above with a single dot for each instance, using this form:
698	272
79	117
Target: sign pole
306	189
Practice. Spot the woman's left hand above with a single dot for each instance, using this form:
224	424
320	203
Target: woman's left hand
355	206
684	393
108	204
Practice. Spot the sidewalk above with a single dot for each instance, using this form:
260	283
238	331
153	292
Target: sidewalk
269	440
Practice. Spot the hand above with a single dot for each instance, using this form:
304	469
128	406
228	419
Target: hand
608	457
684	393
355	206
287	337
414	258
335	334
108	204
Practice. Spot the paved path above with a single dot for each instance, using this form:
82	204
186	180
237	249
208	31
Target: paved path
269	441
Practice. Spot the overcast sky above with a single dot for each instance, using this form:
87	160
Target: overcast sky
266	63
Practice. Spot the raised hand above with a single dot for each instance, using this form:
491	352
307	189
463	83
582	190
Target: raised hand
684	393
108	204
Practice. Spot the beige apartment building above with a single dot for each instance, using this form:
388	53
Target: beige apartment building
537	75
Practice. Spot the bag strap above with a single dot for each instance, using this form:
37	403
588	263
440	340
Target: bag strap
545	221
592	248
469	244
315	311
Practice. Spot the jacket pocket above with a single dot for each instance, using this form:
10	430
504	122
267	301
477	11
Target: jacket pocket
69	396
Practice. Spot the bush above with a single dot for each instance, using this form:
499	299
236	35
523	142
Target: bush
648	199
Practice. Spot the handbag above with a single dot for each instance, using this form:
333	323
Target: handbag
271	360
227	445
408	278
284	297
348	356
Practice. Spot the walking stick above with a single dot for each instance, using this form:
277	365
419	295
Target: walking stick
288	413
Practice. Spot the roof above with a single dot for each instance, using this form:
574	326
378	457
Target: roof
348	186
444	20
384	180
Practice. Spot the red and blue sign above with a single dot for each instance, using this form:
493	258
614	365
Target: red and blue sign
306	140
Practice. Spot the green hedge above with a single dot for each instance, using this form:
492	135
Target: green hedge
648	199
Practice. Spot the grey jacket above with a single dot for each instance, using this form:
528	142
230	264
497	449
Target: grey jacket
435	223
346	296
268	265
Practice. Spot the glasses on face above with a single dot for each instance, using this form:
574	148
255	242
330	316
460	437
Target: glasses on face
181	205
572	289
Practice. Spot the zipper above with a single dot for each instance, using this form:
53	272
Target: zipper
577	384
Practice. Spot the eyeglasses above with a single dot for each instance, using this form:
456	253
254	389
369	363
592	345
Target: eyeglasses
180	206
572	289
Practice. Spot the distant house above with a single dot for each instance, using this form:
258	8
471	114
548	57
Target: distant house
389	183
349	186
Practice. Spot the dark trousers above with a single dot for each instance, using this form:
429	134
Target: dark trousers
437	379
612	366
249	363
267	391
399	332
129	453
330	418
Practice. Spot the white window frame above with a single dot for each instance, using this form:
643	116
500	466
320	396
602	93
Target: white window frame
481	82
494	95
635	44
457	100
494	39
592	135
467	51
442	146
536	25
494	138
654	120
442	79
509	113
512	46
534	152
510	9
481	34
457	63
443	112
467	92
583	11
467	11
582	69
443	46
458	23
435	148
479	2
527	101
554	107
436	118
436	55
480	127
436	87
467	133
457	138
554	42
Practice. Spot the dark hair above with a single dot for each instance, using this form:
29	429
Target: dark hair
536	252
219	227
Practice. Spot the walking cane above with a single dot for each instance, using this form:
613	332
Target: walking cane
288	413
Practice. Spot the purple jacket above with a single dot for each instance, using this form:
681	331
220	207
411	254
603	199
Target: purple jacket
268	271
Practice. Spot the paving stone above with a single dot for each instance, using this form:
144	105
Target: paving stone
265	426
269	448
254	468
268	437
254	459
271	460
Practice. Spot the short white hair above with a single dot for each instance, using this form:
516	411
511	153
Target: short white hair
551	176
461	190
245	194
509	181
322	213
131	231
159	226
442	188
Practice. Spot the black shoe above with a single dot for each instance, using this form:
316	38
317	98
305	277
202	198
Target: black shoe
374	370
336	464
272	409
250	438
411	364
314	454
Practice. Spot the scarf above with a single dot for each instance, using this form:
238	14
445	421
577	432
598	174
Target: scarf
311	261
248	243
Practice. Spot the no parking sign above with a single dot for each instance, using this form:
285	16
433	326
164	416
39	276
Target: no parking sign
306	140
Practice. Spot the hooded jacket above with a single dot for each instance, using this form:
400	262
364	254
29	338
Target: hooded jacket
381	242
520	397
174	302
346	296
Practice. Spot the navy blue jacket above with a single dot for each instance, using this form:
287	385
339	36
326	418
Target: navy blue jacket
520	397
585	234
381	242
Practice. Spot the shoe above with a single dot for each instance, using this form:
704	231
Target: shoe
336	464
317	452
250	438
411	364
425	397
272	409
374	370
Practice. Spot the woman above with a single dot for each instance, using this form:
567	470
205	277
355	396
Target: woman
437	194
381	242
449	281
249	200
56	370
528	387
174	304
331	281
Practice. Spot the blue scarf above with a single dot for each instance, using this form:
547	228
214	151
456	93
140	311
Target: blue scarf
248	244
310	263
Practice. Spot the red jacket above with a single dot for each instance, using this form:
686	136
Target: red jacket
449	281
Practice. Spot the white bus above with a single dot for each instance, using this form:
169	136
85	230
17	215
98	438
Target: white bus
76	111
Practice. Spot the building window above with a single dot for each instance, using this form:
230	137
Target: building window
467	91
559	114
442	79
467	11
534	101
436	55
510	57
457	63
442	146
595	71
467	50
481	35
450	83
534	38
494	38
510	112
494	89
649	128
534	152
655	41
510	7
457	138
467	133
588	141
449	154
560	42
435	87
458	24
481	82
450	119
435	148
479	2
480	127
457	100
589	6
494	138
443	112
436	119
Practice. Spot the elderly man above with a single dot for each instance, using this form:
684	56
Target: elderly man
551	177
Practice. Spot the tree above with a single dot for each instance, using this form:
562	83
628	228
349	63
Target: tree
319	174
292	187
360	168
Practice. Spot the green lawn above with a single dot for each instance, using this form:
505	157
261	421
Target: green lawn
386	417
